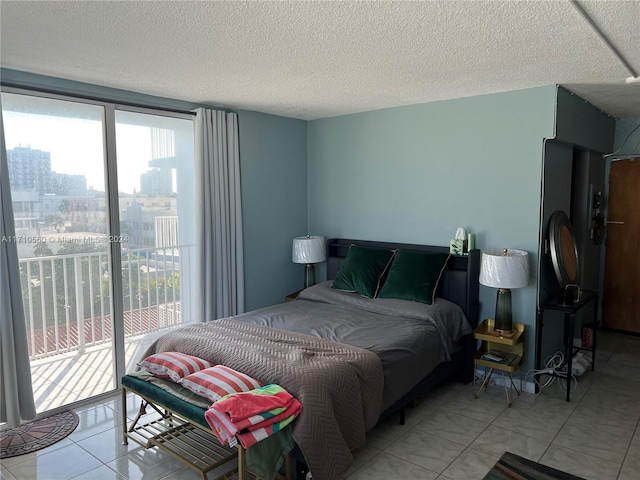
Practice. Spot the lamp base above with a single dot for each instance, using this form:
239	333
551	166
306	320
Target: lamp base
309	275
504	318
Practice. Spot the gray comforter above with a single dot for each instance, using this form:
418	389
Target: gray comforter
329	350
339	386
410	338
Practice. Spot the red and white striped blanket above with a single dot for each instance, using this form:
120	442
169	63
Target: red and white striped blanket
252	416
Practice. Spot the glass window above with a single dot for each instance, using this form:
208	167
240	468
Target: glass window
56	150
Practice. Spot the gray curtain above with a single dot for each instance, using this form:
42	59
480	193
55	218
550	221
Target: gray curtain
16	393
219	252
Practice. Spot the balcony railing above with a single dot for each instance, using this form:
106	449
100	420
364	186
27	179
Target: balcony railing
67	297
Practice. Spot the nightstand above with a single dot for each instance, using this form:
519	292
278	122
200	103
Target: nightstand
292	296
511	345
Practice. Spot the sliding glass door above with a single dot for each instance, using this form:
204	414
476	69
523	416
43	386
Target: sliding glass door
156	198
56	157
105	253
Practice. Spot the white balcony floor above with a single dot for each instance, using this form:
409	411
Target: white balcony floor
67	378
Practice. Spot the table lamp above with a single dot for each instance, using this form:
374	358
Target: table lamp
308	250
504	270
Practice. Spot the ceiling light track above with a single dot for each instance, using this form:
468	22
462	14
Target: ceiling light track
634	74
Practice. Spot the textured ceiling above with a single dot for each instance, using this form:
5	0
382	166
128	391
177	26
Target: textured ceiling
319	59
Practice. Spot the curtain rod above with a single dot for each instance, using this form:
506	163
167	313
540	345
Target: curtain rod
93	97
97	98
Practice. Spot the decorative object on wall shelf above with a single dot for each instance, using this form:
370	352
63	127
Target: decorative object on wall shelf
309	250
458	244
471	241
504	270
456	247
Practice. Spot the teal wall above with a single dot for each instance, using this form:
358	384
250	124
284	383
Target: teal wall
414	174
273	156
625	128
556	194
582	124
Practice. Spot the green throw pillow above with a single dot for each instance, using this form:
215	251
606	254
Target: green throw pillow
414	276
362	270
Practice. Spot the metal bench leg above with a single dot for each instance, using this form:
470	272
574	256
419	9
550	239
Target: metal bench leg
240	462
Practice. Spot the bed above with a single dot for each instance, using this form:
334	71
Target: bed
349	359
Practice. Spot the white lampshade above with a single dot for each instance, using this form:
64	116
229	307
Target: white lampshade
504	270
309	249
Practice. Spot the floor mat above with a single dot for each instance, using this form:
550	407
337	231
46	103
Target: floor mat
37	434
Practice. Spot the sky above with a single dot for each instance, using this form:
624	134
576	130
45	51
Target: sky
73	133
76	146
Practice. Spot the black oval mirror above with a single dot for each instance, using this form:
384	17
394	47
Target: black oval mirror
564	253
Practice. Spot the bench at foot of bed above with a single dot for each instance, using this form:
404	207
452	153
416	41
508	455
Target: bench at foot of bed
182	432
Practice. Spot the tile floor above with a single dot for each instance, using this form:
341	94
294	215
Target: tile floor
449	435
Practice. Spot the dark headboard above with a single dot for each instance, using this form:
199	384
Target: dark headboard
459	283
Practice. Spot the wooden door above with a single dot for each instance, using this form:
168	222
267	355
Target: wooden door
621	302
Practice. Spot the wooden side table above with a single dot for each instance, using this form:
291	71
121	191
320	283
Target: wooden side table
492	341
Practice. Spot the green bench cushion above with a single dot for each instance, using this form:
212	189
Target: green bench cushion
163	398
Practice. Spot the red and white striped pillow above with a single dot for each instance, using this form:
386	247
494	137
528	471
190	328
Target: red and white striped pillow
173	365
216	382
